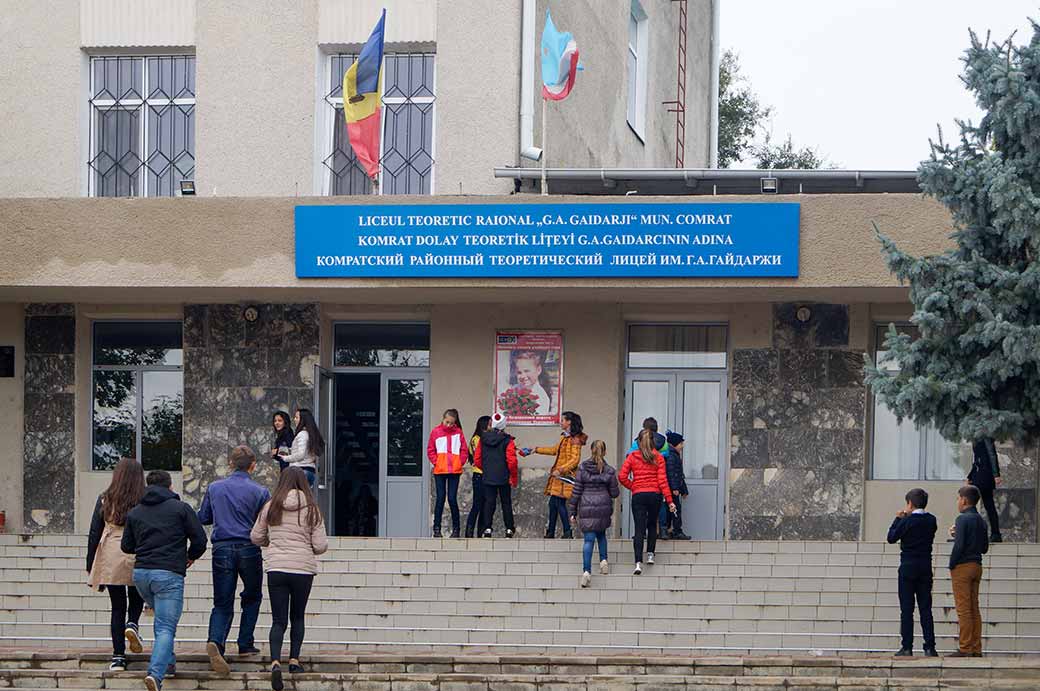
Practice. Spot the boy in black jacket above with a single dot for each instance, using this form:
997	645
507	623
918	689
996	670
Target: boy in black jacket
970	543
914	530
166	536
671	523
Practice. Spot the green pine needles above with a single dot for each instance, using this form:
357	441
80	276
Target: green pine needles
974	370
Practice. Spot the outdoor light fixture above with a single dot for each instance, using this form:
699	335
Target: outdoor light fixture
187	188
803	314
250	314
770	185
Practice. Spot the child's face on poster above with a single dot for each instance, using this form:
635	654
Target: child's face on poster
527	372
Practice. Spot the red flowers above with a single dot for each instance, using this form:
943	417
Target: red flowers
518	401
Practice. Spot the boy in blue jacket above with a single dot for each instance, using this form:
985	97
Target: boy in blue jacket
914	529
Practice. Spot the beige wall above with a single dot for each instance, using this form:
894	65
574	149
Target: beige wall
242	249
43	82
12	391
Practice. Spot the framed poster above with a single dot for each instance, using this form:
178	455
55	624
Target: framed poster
529	376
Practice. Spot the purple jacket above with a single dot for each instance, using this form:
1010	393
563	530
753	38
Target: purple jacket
593	498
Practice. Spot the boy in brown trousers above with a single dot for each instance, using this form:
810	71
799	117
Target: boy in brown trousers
970	543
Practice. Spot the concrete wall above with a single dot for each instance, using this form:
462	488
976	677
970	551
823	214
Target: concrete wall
12	333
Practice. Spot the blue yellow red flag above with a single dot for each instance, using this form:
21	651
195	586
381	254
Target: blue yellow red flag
362	94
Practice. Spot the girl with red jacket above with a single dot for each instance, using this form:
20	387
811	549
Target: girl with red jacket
495	455
447	451
643	474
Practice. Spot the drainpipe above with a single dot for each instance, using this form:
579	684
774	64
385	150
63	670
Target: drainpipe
527	52
713	134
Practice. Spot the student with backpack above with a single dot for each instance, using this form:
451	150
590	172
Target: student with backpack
496	458
914	530
591	507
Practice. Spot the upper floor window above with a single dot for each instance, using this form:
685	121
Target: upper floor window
904	451
142	125
406	156
638	58
138	394
673	346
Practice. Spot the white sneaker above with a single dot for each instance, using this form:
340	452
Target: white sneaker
649	557
586	578
639	568
604	567
487	533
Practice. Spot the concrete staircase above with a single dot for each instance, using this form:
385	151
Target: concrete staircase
500	596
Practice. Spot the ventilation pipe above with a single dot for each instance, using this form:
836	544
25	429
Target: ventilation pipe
527	52
713	134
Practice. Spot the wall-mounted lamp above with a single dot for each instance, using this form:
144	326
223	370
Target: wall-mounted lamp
187	188
770	185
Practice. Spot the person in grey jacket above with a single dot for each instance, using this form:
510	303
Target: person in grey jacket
591	506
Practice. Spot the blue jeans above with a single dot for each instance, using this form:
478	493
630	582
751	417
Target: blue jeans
312	477
164	593
447	488
231	561
558	507
586	550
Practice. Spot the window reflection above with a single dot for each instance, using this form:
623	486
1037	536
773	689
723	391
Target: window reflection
677	345
382	345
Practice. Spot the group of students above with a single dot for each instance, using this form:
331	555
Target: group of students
143	539
580	492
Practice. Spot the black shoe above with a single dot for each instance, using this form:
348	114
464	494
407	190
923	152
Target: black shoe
930	652
568	536
549	536
249	650
171	670
905	652
118	664
469	532
455	532
662	534
296	668
957	653
510	532
996	538
276	678
437	532
681	536
487	533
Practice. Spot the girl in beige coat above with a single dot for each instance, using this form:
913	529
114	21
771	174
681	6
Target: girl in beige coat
291	528
108	567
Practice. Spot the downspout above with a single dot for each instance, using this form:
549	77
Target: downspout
527	52
713	133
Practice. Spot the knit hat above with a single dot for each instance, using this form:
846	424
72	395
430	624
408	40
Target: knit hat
674	438
498	421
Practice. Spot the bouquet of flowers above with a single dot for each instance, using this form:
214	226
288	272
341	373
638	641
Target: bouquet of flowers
518	401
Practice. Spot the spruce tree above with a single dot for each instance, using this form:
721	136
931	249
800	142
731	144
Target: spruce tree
974	371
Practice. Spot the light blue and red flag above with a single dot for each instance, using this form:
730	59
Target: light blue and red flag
559	61
362	94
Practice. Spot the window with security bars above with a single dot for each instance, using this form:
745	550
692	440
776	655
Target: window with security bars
142	125
406	145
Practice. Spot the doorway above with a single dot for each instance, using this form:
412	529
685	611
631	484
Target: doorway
373	406
677	375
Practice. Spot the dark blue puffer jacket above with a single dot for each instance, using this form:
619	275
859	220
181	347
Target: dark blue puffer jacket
674	468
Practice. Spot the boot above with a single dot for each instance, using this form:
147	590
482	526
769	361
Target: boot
437	532
469	532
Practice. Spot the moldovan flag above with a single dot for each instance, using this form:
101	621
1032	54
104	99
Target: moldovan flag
559	61
361	100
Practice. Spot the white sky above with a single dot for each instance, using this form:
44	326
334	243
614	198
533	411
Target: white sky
865	81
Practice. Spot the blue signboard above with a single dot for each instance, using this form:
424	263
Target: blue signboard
534	240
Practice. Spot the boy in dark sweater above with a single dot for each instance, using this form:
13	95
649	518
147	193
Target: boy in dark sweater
914	529
970	543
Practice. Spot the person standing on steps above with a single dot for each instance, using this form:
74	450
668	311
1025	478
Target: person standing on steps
111	569
985	475
969	544
671	523
643	474
914	530
560	484
283	437
496	458
231	506
307	446
447	451
166	536
591	507
291	528
475	519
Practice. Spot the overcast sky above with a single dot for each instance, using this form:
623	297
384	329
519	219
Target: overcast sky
865	81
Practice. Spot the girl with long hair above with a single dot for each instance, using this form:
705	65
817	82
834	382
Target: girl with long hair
560	484
475	519
108	567
307	446
643	473
591	506
283	437
447	451
292	529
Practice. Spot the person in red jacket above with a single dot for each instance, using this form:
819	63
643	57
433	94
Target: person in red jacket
447	451
643	474
495	455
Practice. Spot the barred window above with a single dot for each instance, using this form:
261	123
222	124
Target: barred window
406	145
142	125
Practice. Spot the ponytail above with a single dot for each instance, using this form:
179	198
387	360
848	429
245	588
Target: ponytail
599	453
646	447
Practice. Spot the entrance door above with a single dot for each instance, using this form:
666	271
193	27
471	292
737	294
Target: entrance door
324	415
403	464
694	405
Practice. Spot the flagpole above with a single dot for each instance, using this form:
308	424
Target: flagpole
545	110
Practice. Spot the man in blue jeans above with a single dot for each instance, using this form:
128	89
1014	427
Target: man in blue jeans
166	536
231	506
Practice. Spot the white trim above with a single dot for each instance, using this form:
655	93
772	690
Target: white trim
635	113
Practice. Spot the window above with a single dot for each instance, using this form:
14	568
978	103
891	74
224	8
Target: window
384	344
638	36
406	155
138	394
904	451
142	125
677	346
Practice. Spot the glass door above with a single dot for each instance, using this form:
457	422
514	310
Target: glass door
646	395
702	421
403	465
324	415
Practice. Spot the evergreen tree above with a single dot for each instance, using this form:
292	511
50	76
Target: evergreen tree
974	371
